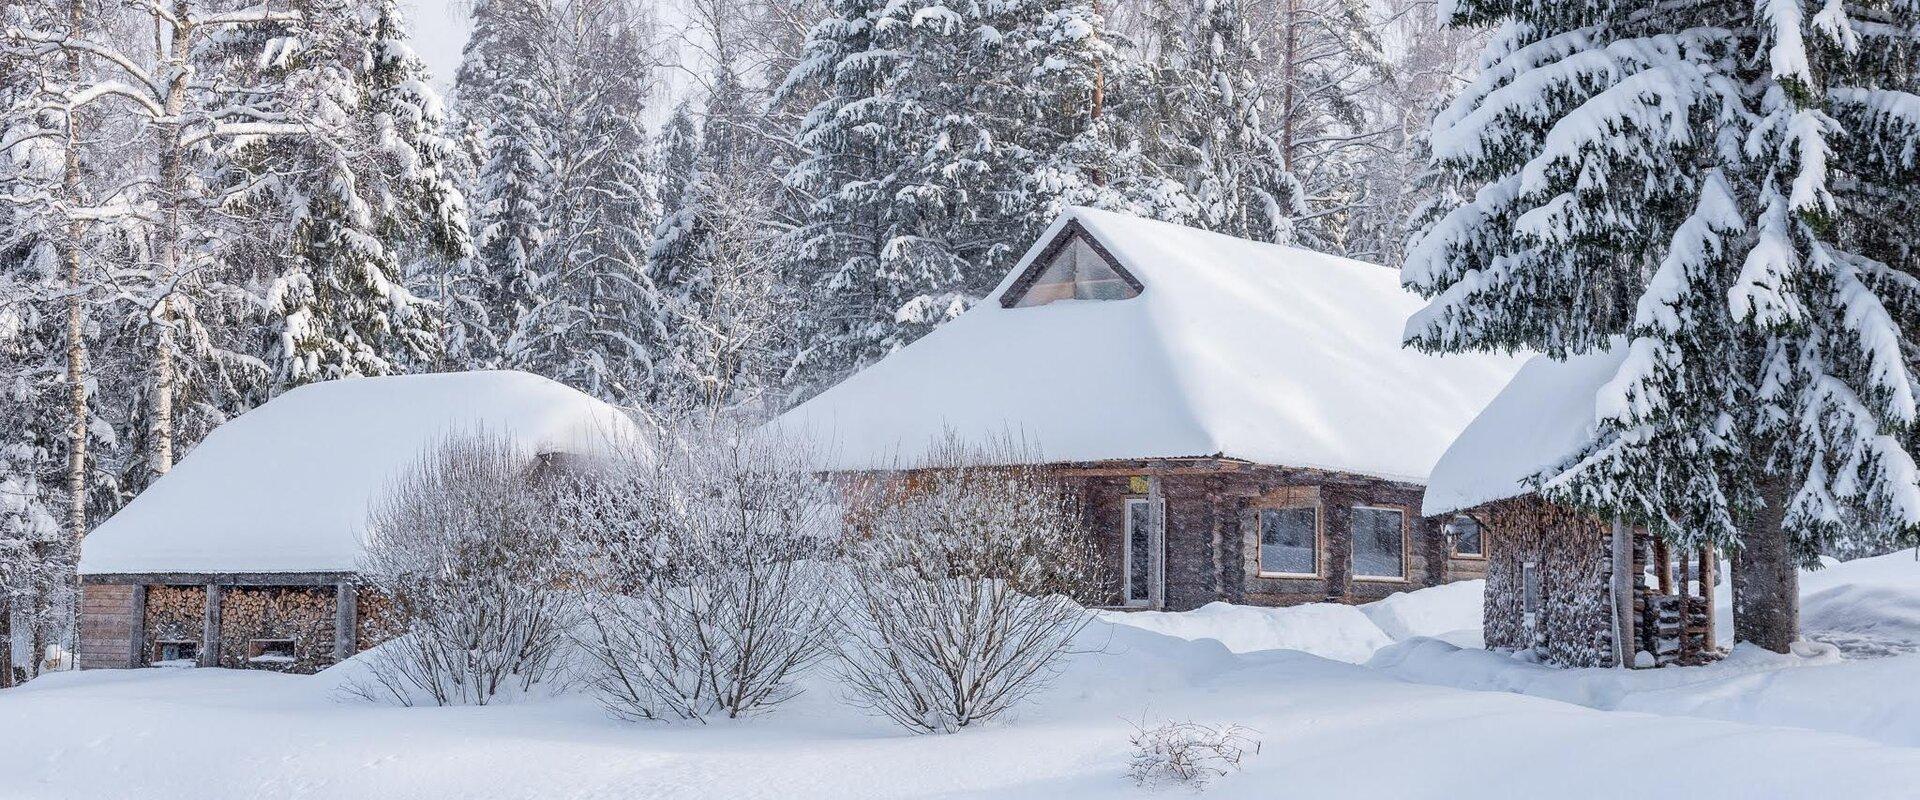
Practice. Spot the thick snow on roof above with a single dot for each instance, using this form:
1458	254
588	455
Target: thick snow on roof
1545	417
1261	352
285	487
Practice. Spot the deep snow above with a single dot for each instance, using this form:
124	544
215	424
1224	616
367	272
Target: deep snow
1425	719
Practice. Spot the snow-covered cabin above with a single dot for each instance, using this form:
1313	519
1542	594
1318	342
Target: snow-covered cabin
1575	589
244	553
1239	417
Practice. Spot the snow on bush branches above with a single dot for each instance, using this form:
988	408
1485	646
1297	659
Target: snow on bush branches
1187	753
964	589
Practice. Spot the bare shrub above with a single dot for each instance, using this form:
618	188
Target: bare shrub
965	590
466	550
1187	753
707	559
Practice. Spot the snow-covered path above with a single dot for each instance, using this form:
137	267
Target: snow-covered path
1326	726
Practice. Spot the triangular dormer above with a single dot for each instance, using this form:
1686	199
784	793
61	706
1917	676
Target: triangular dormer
1074	266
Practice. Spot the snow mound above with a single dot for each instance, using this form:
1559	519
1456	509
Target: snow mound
285	487
1445	610
1328	630
1249	350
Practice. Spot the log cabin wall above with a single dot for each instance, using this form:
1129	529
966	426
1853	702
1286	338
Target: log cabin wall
134	620
1571	554
1212	529
173	614
281	628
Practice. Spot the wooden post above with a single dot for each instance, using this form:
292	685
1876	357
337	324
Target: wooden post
1157	545
137	639
210	628
1623	638
1709	569
1663	565
346	613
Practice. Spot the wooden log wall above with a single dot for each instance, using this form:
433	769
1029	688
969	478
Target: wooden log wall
303	614
173	614
1212	538
1573	626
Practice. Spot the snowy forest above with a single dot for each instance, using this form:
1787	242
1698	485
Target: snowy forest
726	204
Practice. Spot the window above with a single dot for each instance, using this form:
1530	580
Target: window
1076	271
1289	541
273	652
1468	537
1137	557
1379	543
175	652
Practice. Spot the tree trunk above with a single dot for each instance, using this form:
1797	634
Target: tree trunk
1766	581
6	642
76	316
169	247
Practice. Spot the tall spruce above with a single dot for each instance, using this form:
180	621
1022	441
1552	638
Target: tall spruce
1719	189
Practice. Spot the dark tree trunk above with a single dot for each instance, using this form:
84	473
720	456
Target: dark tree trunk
1766	581
6	642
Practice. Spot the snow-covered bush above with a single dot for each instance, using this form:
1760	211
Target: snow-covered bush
709	558
467	554
1187	753
965	589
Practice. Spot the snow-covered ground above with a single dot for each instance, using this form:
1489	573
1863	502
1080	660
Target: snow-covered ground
1423	719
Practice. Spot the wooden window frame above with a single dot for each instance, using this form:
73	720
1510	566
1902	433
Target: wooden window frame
1126	555
1406	554
1453	550
1017	290
1319	542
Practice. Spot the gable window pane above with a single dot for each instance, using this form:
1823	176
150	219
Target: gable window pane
1379	549
1288	541
1468	537
1076	272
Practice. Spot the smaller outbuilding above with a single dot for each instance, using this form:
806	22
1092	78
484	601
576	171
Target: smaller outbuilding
245	553
1576	589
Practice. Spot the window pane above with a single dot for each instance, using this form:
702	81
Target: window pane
1077	271
1378	547
1139	549
1529	588
1287	540
1466	536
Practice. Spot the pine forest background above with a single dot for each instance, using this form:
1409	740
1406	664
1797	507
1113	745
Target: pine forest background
205	203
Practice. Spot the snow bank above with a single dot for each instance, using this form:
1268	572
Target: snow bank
1328	630
1447	610
1326	728
1250	350
285	487
1812	688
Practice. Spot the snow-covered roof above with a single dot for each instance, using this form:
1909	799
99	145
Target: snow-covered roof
286	487
1233	348
1543	419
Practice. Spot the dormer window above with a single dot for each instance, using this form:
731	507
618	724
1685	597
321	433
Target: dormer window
1072	267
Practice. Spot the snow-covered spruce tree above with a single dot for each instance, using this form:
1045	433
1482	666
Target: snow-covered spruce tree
585	328
36	569
1243	187
966	588
929	170
505	88
1719	189
467	553
365	179
710	552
